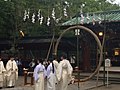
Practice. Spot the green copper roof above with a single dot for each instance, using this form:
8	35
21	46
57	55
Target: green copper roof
97	17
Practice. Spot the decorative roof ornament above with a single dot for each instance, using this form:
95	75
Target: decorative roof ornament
48	21
53	13
65	11
33	18
88	18
100	20
41	20
39	14
82	18
26	15
7	0
67	3
58	19
93	19
81	15
40	17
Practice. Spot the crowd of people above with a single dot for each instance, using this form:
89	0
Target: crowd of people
56	74
8	73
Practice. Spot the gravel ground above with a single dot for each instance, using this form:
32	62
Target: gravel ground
89	85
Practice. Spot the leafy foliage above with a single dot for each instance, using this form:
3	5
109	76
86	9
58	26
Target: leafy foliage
12	12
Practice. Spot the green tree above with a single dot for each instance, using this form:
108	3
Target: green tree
12	13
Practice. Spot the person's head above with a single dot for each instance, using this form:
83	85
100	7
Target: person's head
16	58
63	56
11	57
40	61
50	60
33	60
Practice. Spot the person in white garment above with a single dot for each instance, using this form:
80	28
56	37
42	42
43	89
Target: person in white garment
39	75
12	72
55	62
51	76
2	73
64	72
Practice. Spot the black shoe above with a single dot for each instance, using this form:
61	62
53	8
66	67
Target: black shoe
9	87
0	87
12	86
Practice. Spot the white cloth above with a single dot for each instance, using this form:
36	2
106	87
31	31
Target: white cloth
107	63
12	72
39	75
2	73
56	66
50	77
72	59
64	74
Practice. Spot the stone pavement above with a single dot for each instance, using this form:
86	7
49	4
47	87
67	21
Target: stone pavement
89	85
110	87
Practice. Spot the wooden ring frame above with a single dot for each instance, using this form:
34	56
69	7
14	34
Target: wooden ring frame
98	43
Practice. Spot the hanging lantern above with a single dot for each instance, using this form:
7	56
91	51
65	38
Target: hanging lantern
22	33
100	34
117	51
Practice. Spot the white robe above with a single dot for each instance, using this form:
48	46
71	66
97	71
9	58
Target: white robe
56	66
64	74
50	77
2	73
12	73
39	75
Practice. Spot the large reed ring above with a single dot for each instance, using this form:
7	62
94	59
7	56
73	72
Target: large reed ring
98	43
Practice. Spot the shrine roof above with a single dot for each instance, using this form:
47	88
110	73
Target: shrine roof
94	17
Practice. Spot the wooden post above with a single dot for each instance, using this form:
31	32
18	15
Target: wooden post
25	76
